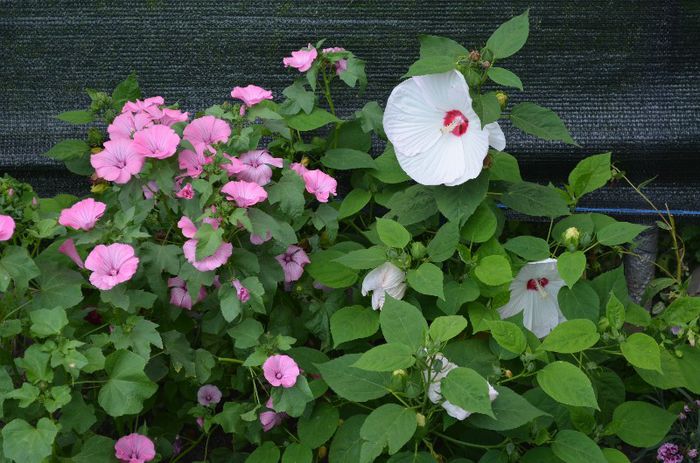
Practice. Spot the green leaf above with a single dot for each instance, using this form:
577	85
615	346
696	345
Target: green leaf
353	202
352	383
68	149
362	259
494	270
411	205
642	351
641	424
540	122
302	98
126	90
292	400
535	200
505	77
528	247
35	364
161	258
386	357
288	192
127	385
355	322
504	167
508	335
510	410
305	122
96	448
389	425
208	240
325	269
468	390
25	395
48	322
444	243
458	203
392	233
619	233
442	329
615	312
267	452
388	169
457	294
427	279
297	453
567	384
434	64
22	442
481	226
402	323
317	428
246	333
580	301
347	159
433	45
576	447
347	443
571	266
79	116
510	36
59	288
682	310
615	456
571	336
590	174
19	266
487	107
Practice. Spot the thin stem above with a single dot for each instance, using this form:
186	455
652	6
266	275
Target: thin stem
469	444
188	449
229	360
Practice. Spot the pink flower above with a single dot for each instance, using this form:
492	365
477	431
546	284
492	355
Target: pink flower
134	448
126	124
192	162
250	95
342	64
7	227
241	291
200	422
319	184
159	141
208	395
68	249
299	168
233	166
171	117
293	261
82	215
212	262
205	132
149	189
185	192
118	162
245	194
258	240
111	265
269	419
143	105
180	297
188	228
256	166
302	59
281	370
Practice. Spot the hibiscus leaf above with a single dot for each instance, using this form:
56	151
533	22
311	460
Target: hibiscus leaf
535	200
427	279
386	357
510	36
431	65
433	45
505	77
347	159
468	390
567	384
355	322
540	122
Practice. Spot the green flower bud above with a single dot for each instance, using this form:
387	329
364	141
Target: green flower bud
418	250
571	237
502	98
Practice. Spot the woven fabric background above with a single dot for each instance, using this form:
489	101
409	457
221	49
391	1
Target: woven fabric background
622	74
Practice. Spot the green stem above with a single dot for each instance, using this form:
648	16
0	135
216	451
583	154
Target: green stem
469	444
188	449
229	360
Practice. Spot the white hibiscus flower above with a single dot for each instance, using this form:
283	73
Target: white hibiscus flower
437	136
383	280
534	292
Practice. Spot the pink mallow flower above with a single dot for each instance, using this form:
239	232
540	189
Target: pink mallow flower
134	448
149	189
180	297
342	64
68	249
118	162
189	249
159	141
185	192
293	261
82	215
208	395
127	124
204	132
171	117
301	59
269	419
241	291
143	105
245	194
281	370
319	184
255	166
192	162
111	265
7	227
299	168
250	95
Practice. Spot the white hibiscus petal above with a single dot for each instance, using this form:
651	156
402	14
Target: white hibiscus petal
497	138
545	315
515	305
475	147
442	163
446	91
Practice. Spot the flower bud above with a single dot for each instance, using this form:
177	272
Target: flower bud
420	419
486	64
508	374
603	324
571	238
502	98
400	372
305	161
99	188
474	55
418	250
322	452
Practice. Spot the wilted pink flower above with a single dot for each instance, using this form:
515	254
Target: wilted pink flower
143	105
68	249
258	240
185	192
179	296
256	166
250	95
82	215
319	184
134	448
245	194
281	370
204	132
241	291
171	117
149	189
208	395
159	142
293	261
127	124
269	419
192	162
340	65
111	265
212	262
7	227
118	162
301	59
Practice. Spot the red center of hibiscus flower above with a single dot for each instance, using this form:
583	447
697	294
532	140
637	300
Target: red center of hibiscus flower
455	122
532	283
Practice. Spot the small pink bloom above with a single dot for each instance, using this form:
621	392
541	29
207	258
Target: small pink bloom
340	65
118	162
159	141
212	262
281	370
241	291
250	95
82	215
185	192
245	194
68	249
256	166
7	227
204	132
319	184
269	419
233	166
293	261
180	297
111	265
200	422
134	448
299	168
258	240
192	162
10	192
143	105
302	59
150	189
171	117
126	124
208	395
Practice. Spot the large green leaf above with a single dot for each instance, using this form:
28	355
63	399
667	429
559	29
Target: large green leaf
347	159
352	383
641	424
576	447
16	264
305	122
444	243
326	269
535	200
571	336
319	426
431	65
508	335
540	122
505	77
571	266
590	174
355	322
528	247
433	45
402	323
127	385
458	203
58	287
391	426
288	192
346	446
386	357
392	233
619	233
494	270
642	351
427	279
468	390
22	442
442	329
510	410
567	384
68	149
510	36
